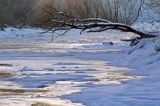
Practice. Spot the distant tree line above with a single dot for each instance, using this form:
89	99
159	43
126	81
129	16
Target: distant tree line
39	12
123	11
11	11
155	5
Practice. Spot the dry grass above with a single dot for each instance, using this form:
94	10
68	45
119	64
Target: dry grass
6	65
43	104
20	91
5	75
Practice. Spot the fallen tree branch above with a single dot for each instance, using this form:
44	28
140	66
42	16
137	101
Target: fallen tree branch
99	27
95	25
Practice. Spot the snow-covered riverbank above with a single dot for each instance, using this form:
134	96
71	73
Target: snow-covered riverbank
95	69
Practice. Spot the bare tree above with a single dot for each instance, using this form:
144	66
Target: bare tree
12	12
27	11
123	11
154	4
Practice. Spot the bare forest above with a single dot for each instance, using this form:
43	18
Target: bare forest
38	12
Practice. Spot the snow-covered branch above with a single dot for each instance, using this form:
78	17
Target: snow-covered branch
99	25
94	25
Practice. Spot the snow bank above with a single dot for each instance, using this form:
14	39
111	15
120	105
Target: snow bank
144	57
148	27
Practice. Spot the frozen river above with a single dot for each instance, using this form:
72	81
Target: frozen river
71	71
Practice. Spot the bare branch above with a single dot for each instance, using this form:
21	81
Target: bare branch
94	25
